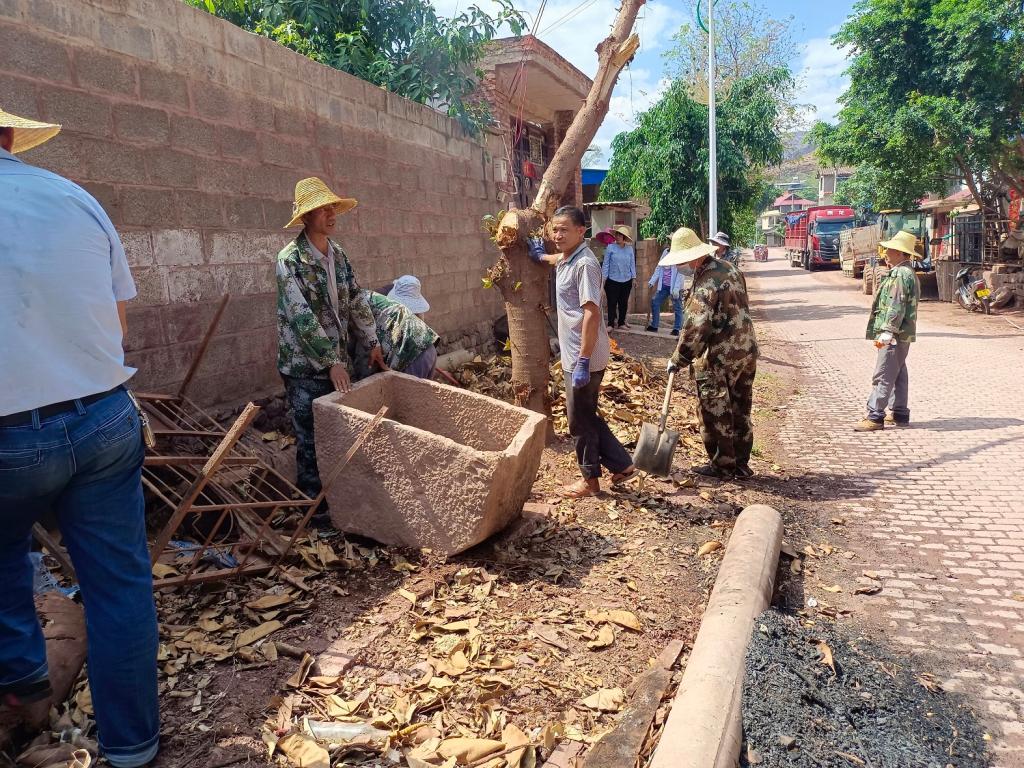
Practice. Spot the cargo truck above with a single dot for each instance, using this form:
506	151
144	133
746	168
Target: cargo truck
812	236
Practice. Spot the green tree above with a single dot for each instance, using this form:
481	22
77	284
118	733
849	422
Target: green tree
748	41
870	190
401	45
936	94
665	158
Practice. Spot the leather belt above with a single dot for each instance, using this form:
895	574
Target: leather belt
24	418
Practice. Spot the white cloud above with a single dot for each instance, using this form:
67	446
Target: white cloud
822	79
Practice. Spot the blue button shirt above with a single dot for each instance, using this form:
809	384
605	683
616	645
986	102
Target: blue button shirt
619	263
62	271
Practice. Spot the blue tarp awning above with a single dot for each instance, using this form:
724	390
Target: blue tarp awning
594	175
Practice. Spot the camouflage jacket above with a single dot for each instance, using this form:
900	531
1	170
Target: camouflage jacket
895	306
311	338
717	322
403	337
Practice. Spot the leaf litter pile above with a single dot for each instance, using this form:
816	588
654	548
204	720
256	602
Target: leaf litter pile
362	655
817	694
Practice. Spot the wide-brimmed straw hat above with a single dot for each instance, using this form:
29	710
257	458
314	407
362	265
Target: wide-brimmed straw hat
311	194
625	231
686	247
721	238
902	241
407	291
27	133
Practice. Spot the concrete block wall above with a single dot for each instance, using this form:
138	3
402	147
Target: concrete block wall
192	134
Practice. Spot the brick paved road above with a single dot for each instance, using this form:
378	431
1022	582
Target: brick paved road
942	503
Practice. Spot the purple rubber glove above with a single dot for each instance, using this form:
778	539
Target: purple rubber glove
581	373
536	249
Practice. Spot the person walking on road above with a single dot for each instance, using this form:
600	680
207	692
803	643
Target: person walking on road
723	248
317	298
892	326
71	446
585	351
669	282
619	272
717	339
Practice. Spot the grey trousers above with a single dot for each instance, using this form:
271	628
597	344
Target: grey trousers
890	383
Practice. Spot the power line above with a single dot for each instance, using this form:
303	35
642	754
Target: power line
573	13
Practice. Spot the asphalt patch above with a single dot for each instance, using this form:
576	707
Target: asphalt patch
875	710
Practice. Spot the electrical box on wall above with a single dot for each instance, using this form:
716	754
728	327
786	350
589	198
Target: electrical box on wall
500	170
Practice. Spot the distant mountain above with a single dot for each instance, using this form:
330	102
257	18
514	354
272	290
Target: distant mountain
796	145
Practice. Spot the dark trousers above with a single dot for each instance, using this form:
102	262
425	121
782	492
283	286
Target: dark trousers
618	300
301	393
725	399
595	443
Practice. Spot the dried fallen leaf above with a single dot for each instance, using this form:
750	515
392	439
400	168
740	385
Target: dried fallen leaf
835	588
162	571
929	682
868	589
469	750
266	602
708	547
300	674
605	700
605	637
304	752
873	575
250	636
826	657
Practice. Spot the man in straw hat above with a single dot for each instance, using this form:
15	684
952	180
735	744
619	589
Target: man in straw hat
717	339
892	325
318	298
71	447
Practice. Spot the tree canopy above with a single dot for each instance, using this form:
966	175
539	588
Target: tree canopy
936	94
748	41
401	45
665	158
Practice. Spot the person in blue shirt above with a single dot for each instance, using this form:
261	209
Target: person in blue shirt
71	446
619	271
669	282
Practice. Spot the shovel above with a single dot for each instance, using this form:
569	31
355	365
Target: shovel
656	444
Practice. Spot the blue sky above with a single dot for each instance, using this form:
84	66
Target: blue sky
819	66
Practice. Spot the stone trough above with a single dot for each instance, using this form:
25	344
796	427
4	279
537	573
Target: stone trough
446	469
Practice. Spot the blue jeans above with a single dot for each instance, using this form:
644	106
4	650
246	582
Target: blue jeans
84	466
677	309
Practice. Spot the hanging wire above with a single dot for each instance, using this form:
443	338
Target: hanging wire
569	16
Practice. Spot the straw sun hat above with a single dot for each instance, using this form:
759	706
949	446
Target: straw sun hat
902	241
686	247
311	194
27	133
625	231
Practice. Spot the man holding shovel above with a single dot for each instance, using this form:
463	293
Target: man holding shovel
717	339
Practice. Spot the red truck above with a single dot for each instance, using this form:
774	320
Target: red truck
812	236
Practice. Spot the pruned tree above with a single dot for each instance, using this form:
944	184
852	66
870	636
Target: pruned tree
524	284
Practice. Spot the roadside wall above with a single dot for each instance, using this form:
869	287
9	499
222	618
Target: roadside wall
192	134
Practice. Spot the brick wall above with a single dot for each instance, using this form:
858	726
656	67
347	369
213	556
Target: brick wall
192	134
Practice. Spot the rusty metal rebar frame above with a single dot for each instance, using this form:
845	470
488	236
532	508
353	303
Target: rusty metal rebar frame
185	506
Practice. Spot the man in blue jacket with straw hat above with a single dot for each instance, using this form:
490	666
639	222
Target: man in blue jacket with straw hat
317	300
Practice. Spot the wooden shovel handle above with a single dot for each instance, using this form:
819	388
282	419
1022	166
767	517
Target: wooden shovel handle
664	406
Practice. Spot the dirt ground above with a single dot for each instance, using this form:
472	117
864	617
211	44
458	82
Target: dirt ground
535	635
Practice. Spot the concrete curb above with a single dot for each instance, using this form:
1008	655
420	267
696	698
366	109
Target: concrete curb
704	726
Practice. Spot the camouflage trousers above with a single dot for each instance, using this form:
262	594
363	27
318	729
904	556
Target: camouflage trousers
300	393
725	398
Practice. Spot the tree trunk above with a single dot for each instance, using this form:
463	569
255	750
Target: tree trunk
523	284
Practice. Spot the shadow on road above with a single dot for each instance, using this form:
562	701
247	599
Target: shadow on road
966	423
780	312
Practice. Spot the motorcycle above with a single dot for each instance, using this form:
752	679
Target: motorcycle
972	293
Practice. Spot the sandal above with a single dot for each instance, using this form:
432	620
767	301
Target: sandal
620	477
580	490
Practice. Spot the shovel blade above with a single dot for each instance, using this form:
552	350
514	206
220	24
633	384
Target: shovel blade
654	450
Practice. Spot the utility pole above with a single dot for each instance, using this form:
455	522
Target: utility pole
712	138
